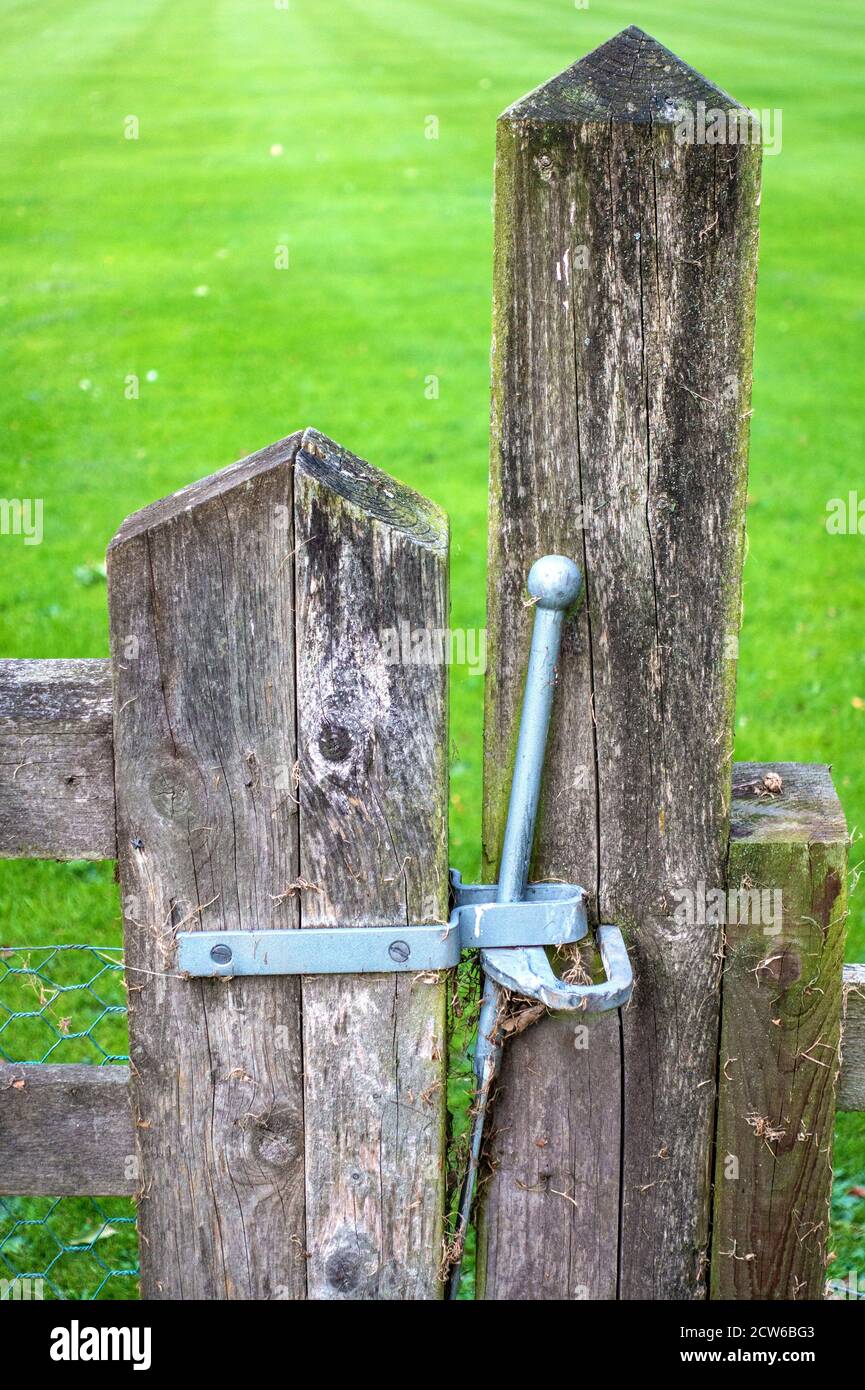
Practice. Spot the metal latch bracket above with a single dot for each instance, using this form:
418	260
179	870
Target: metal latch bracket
511	937
553	914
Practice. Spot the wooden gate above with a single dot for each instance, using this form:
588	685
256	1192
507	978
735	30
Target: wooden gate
254	758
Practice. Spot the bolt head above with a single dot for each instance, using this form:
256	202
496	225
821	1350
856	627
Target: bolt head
220	955
554	582
399	950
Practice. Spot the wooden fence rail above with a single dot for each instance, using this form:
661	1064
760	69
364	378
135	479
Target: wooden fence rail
56	760
66	1131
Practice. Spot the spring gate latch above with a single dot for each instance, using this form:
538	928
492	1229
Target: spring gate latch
512	938
554	584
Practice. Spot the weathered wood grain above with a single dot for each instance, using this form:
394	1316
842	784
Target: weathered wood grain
201	597
851	1082
624	278
56	760
66	1131
372	742
780	1034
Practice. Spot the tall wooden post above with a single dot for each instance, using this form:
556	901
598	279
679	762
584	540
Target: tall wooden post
625	264
268	755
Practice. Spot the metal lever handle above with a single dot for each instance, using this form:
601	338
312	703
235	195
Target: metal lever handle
554	583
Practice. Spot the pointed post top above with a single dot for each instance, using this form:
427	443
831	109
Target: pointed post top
375	493
631	78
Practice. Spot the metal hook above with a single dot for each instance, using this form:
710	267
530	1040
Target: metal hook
526	970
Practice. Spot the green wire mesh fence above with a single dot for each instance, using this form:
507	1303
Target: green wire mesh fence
65	1004
62	1004
68	1248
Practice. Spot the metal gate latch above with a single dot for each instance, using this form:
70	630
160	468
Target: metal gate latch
552	914
512	923
512	939
523	966
554	583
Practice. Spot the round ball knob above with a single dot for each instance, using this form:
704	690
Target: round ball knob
554	582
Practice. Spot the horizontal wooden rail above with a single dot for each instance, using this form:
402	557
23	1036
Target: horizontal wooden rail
56	761
66	1131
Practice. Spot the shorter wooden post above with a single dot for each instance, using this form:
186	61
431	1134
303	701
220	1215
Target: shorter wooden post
281	762
780	1033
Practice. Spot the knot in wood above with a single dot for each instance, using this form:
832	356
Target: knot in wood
351	1265
276	1139
334	742
783	969
173	792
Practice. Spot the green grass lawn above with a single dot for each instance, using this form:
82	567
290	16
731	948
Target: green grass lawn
261	127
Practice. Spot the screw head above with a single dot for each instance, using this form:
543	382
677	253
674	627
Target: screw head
220	955
399	950
554	582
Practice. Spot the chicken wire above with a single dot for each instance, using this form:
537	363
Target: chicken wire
65	1004
68	1248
